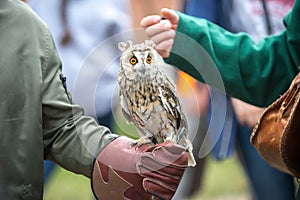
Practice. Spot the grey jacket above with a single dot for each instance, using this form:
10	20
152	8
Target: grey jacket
37	118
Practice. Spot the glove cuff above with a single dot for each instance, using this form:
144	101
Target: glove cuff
115	175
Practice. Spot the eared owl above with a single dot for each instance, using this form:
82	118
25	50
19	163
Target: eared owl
148	97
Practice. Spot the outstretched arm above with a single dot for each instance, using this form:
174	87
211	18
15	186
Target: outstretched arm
254	72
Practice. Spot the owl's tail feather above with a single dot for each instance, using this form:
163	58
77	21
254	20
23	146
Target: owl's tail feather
191	161
188	146
180	135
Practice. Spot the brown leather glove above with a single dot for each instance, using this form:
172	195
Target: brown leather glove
125	171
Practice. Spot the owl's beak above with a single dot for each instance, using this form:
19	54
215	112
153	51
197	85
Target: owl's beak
142	69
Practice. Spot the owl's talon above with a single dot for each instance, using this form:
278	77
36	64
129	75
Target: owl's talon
137	146
141	141
132	144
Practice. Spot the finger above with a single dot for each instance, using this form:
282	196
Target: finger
157	28
164	48
170	15
150	20
163	36
158	189
166	164
155	169
166	175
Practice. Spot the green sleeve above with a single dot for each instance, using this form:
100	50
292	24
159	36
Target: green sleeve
71	139
254	72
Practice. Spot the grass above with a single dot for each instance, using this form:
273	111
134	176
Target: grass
65	185
223	179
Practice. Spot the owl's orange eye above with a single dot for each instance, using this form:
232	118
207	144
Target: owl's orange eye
133	60
148	59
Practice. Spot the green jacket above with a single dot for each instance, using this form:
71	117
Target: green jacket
37	117
254	72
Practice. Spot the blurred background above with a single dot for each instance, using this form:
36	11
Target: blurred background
236	172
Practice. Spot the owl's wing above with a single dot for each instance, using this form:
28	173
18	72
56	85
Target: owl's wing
130	116
171	104
125	110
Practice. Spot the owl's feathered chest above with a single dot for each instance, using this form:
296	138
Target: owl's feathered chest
141	94
151	104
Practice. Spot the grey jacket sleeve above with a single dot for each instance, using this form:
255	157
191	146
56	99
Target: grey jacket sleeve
71	139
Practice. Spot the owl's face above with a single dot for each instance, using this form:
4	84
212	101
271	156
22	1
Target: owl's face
139	60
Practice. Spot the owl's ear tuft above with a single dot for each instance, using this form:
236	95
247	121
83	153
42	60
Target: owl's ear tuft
123	46
150	43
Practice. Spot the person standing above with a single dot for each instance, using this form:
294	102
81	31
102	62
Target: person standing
78	28
39	121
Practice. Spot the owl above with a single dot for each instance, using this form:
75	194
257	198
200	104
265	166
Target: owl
148	97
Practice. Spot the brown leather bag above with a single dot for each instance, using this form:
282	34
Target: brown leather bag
277	134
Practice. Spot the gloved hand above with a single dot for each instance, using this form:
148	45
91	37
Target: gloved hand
124	171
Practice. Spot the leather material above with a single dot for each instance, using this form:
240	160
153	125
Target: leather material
124	171
277	134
